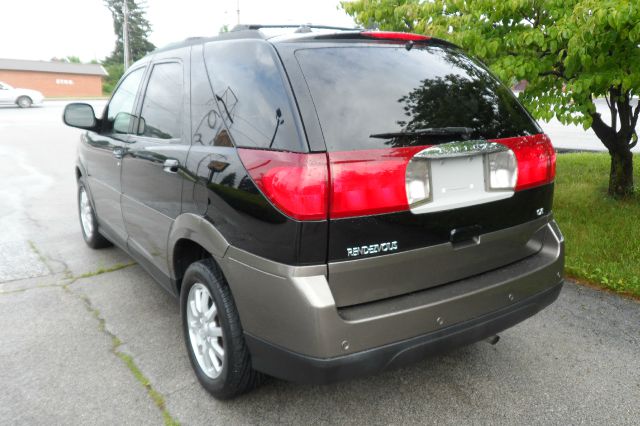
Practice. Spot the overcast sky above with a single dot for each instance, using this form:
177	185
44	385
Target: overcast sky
42	29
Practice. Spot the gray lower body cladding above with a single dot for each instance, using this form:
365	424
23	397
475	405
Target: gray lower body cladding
289	313
294	367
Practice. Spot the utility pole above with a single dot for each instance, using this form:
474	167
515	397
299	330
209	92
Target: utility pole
125	33
238	10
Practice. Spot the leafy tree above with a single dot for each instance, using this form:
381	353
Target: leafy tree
139	29
569	51
114	72
68	59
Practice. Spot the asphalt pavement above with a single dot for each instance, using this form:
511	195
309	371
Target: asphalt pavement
86	336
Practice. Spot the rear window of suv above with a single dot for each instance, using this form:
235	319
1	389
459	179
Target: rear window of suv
369	90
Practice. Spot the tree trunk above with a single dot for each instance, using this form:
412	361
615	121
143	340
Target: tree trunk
621	175
619	143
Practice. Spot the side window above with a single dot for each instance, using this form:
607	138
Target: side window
206	123
252	95
120	109
161	115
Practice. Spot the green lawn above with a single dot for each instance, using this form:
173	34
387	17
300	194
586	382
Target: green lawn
602	235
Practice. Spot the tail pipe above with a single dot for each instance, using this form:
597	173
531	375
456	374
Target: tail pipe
493	339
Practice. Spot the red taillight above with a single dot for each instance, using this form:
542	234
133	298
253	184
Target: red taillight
366	182
389	35
297	184
369	182
552	162
536	159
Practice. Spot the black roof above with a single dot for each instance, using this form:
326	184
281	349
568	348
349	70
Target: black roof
231	35
303	32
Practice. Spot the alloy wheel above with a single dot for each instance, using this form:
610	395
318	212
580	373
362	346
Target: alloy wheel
24	102
86	214
205	330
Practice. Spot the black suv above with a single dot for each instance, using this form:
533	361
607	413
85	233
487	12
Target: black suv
324	204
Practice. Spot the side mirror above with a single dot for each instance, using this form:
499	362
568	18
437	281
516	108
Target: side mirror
80	115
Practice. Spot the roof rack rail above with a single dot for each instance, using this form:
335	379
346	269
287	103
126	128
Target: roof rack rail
301	28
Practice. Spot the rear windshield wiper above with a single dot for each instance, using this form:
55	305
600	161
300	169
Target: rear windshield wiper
432	131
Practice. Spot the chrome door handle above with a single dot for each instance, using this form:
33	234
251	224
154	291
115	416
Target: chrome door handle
171	165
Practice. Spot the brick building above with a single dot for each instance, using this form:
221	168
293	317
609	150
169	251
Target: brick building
53	78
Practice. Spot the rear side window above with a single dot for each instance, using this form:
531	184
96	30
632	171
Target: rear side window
162	106
373	90
253	99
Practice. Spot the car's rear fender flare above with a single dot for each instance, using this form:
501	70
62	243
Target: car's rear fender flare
195	228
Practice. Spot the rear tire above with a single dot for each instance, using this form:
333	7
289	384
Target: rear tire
88	220
213	333
24	102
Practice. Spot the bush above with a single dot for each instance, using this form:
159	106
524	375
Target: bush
115	72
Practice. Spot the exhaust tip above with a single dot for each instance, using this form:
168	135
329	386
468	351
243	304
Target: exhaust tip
493	339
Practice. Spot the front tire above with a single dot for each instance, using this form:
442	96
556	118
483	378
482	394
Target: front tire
88	221
24	102
213	333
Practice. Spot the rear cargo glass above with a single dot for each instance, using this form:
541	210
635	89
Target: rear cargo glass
363	91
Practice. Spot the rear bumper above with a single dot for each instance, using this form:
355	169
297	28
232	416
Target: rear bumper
287	365
296	331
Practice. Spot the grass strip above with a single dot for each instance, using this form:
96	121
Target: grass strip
100	271
128	360
602	234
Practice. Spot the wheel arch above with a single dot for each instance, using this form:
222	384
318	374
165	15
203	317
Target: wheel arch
193	238
80	170
23	96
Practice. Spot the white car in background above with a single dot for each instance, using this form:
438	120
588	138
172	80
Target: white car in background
24	98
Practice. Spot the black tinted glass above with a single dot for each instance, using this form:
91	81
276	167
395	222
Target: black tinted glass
251	93
363	91
121	105
162	106
207	125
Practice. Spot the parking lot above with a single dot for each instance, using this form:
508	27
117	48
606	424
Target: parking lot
87	337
